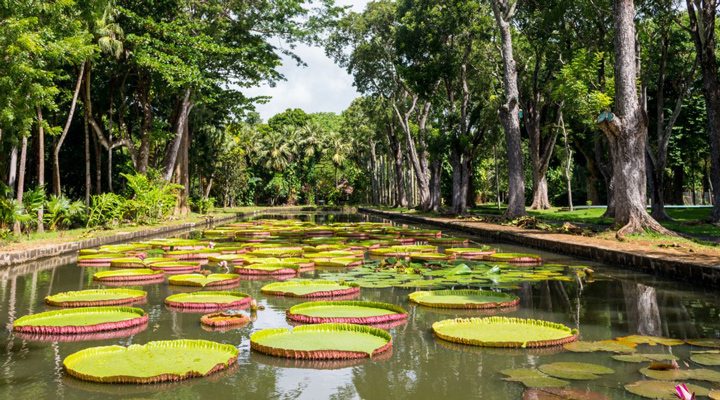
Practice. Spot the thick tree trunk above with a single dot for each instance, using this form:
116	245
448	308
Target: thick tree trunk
98	165
88	181
418	158
21	181
702	14
374	184
66	128
509	112
12	173
180	127
146	126
678	185
41	168
540	153
461	180
435	180
568	161
626	131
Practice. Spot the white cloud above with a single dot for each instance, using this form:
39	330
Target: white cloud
319	86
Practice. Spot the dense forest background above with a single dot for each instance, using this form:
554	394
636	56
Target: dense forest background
134	110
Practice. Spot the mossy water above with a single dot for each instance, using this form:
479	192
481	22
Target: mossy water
613	303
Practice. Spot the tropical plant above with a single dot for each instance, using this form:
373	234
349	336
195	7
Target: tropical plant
105	210
62	212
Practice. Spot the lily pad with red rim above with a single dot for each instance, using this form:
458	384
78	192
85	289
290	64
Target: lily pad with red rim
480	299
130	276
204	280
81	320
208	300
309	289
658	389
96	297
352	312
504	332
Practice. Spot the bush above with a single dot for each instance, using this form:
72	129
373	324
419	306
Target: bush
151	200
202	205
63	213
106	210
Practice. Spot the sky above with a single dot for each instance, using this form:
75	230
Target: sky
321	85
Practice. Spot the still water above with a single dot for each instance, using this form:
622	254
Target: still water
617	303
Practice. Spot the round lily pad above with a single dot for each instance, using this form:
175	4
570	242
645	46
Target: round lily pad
204	280
98	259
532	378
642	358
601	345
127	262
322	341
316	288
81	320
135	275
275	268
81	337
504	332
471	253
96	297
464	299
170	360
665	390
208	300
574	370
352	312
698	374
651	340
516	258
561	394
709	358
714	394
224	319
712	343
176	267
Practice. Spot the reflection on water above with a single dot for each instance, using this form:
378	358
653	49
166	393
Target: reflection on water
617	303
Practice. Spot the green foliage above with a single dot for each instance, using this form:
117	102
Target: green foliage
106	210
202	205
61	212
151	198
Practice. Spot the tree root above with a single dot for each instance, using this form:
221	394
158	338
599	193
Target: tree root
641	224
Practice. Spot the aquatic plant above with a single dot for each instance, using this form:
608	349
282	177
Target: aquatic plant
504	332
351	312
96	297
464	299
81	320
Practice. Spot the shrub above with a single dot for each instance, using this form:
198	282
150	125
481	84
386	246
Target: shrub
151	200
63	213
106	210
202	205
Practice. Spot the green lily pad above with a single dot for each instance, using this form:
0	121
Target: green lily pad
709	358
575	370
602	345
204	280
665	390
651	340
158	361
504	332
322	341
96	297
81	320
644	357
464	299
713	343
314	288
699	374
354	312
532	378
208	300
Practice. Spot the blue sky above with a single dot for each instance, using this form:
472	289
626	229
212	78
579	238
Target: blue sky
319	86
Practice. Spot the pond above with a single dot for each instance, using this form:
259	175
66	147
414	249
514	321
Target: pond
615	302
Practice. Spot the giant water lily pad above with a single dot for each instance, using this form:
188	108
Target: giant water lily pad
644	357
81	320
710	358
665	390
712	343
315	288
464	299
516	258
134	275
532	378
322	341
601	345
504	332
176	267
651	340
169	360
575	370
96	297
204	280
271	268
208	300
561	394
698	374
354	312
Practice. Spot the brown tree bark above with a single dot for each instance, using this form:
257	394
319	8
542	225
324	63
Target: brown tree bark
88	180
145	127
703	14
180	127
21	181
66	128
41	167
626	131
12	173
504	10
418	158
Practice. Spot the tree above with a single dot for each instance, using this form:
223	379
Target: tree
626	131
504	10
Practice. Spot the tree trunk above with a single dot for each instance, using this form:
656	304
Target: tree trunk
12	173
509	112
626	131
375	198
539	155
145	103
180	126
435	181
98	165
702	26
88	181
21	181
41	168
61	139
568	161
678	185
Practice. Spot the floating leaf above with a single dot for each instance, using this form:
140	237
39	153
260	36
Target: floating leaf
314	288
714	343
575	370
464	299
710	358
700	374
96	297
159	361
651	340
602	345
561	394
645	357
208	300
504	332
81	320
532	378
665	390
352	312
322	341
